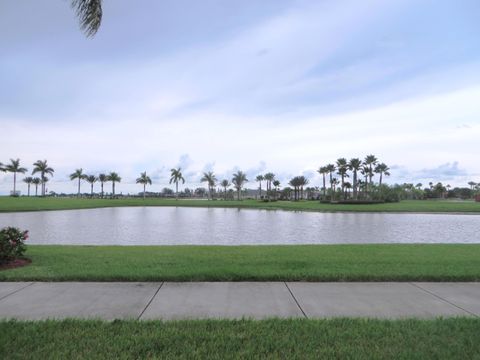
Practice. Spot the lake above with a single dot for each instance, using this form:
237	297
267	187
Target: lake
217	226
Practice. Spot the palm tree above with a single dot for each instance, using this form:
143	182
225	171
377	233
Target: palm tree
225	184
302	181
472	184
28	180
295	183
330	168
114	177
323	171
370	161
44	170
211	180
334	183
44	181
14	167
36	181
365	171
419	186
259	179
382	169
91	179
354	165
89	13
269	177
145	180
78	174
239	178
176	176
103	179
342	168
276	184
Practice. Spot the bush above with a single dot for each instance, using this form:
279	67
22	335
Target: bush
12	244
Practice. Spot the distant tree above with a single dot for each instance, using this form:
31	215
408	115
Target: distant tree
365	171
238	180
103	179
28	180
472	184
342	168
382	169
114	178
145	180
330	168
419	186
323	171
354	166
14	167
295	183
211	180
302	181
78	174
36	181
91	179
276	185
334	184
176	176
370	161
225	184
259	179
44	170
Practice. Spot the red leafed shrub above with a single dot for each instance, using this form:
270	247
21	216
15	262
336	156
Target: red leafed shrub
12	243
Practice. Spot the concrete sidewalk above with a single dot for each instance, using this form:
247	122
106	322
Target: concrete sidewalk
37	300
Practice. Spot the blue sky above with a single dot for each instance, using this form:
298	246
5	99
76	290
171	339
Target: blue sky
282	86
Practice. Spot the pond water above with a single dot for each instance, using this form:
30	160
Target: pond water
208	226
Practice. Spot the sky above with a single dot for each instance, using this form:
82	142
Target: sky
284	86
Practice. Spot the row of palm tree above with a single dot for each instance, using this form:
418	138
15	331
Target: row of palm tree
79	175
39	166
367	168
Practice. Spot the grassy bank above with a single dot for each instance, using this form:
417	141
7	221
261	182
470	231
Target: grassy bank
221	339
255	263
9	204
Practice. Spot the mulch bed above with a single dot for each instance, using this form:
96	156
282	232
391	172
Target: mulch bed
15	263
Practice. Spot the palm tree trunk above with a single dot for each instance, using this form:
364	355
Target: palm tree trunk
101	183
78	187
176	190
36	190
14	183
355	184
144	185
91	190
324	187
28	190
380	182
113	188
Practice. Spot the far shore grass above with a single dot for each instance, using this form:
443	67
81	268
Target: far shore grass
394	262
453	338
11	204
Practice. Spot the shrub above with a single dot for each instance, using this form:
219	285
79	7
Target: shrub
12	243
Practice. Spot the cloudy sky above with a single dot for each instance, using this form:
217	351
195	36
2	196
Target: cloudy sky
273	85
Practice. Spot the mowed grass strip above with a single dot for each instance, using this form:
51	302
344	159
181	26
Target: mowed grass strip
455	338
10	204
394	262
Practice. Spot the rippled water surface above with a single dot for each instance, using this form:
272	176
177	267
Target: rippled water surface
202	226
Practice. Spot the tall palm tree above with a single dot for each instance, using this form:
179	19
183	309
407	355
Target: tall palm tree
78	174
91	179
89	13
176	176
334	184
44	181
295	183
370	161
211	180
472	184
365	171
28	180
14	167
323	171
36	181
276	184
259	179
238	180
44	170
382	169
330	170
302	181
342	168
145	180
269	177
114	178
354	166
225	184
103	179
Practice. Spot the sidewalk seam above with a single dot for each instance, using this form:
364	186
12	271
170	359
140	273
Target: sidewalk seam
445	300
16	291
296	301
148	304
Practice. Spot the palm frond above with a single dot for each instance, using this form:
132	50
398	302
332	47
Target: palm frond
89	13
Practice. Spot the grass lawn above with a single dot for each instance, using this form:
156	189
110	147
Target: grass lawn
227	339
255	263
10	204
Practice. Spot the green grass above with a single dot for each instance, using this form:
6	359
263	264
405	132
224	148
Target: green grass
456	262
455	338
10	204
